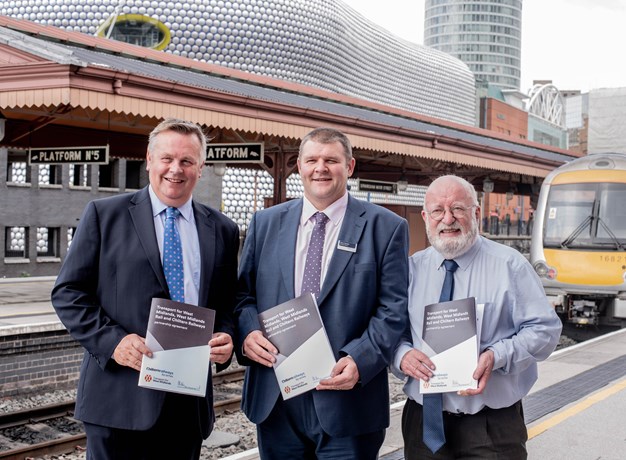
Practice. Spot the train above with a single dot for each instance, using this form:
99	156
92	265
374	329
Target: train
578	243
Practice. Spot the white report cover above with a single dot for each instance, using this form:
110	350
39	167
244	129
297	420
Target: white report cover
178	335
450	340
304	353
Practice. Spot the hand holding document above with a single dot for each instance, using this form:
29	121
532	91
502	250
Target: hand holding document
304	353
450	338
178	335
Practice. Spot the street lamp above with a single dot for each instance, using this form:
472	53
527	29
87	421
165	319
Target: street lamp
487	185
219	169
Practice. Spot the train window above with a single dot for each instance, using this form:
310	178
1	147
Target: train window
585	215
612	212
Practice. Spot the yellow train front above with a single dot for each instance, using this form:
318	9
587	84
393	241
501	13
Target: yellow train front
579	240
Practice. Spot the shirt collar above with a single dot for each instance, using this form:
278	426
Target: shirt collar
186	210
465	259
334	212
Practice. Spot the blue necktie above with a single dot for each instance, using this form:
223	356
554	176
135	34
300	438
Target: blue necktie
173	256
313	265
432	405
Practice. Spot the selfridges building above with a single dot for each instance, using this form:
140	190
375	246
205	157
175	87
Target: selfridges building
320	43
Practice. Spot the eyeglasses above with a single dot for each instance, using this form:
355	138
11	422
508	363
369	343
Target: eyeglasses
456	211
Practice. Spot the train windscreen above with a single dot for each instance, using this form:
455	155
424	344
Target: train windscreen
586	215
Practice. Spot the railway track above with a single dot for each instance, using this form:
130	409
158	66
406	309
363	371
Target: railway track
52	430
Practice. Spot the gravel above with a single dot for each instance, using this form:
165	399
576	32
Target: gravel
234	423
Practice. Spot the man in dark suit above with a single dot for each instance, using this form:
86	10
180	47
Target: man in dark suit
103	295
362	300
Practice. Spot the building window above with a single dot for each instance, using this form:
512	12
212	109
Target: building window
16	242
79	176
70	235
49	174
17	172
133	174
136	29
48	242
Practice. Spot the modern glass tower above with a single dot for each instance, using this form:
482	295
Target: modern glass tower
485	34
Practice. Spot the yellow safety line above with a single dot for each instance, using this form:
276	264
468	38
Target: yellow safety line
584	404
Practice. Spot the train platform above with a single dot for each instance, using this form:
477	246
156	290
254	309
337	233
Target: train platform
25	305
573	412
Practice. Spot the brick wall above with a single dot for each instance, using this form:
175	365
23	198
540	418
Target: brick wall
38	359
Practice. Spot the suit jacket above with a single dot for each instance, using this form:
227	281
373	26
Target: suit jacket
363	304
104	290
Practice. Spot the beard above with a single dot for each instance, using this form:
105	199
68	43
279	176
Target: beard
450	248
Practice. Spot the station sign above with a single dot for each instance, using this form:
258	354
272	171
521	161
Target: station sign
235	153
69	155
377	186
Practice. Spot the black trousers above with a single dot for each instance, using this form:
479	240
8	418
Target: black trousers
488	435
175	436
293	432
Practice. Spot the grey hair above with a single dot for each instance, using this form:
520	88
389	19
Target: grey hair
469	188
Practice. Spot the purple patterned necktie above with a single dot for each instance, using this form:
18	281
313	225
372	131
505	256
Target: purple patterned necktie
432	405
313	265
173	256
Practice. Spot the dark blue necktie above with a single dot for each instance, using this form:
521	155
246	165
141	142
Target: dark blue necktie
173	256
313	266
434	435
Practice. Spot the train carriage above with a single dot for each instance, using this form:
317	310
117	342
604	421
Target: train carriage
578	243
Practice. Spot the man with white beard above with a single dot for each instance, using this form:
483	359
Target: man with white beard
519	328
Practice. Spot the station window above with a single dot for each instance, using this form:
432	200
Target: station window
49	174
79	176
108	175
16	242
18	172
133	174
48	242
70	235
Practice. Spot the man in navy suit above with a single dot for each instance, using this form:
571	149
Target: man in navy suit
103	295
362	301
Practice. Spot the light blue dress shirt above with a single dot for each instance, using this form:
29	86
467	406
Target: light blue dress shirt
186	225
519	324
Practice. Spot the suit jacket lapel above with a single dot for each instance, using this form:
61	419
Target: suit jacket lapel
140	211
206	237
351	231
286	241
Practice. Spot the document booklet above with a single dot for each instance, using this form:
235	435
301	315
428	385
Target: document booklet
178	335
304	353
450	339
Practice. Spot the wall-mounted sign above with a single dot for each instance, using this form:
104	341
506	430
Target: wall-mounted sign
377	186
67	155
234	153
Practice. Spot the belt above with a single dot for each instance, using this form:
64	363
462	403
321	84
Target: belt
484	409
463	414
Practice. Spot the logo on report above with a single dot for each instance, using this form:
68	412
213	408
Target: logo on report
287	389
148	378
426	384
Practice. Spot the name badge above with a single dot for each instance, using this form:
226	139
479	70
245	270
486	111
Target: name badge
344	246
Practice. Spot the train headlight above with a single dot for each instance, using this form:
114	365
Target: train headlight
545	271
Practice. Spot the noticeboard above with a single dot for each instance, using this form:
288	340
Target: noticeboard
377	186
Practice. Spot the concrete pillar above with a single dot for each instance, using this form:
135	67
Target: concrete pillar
119	174
4	163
